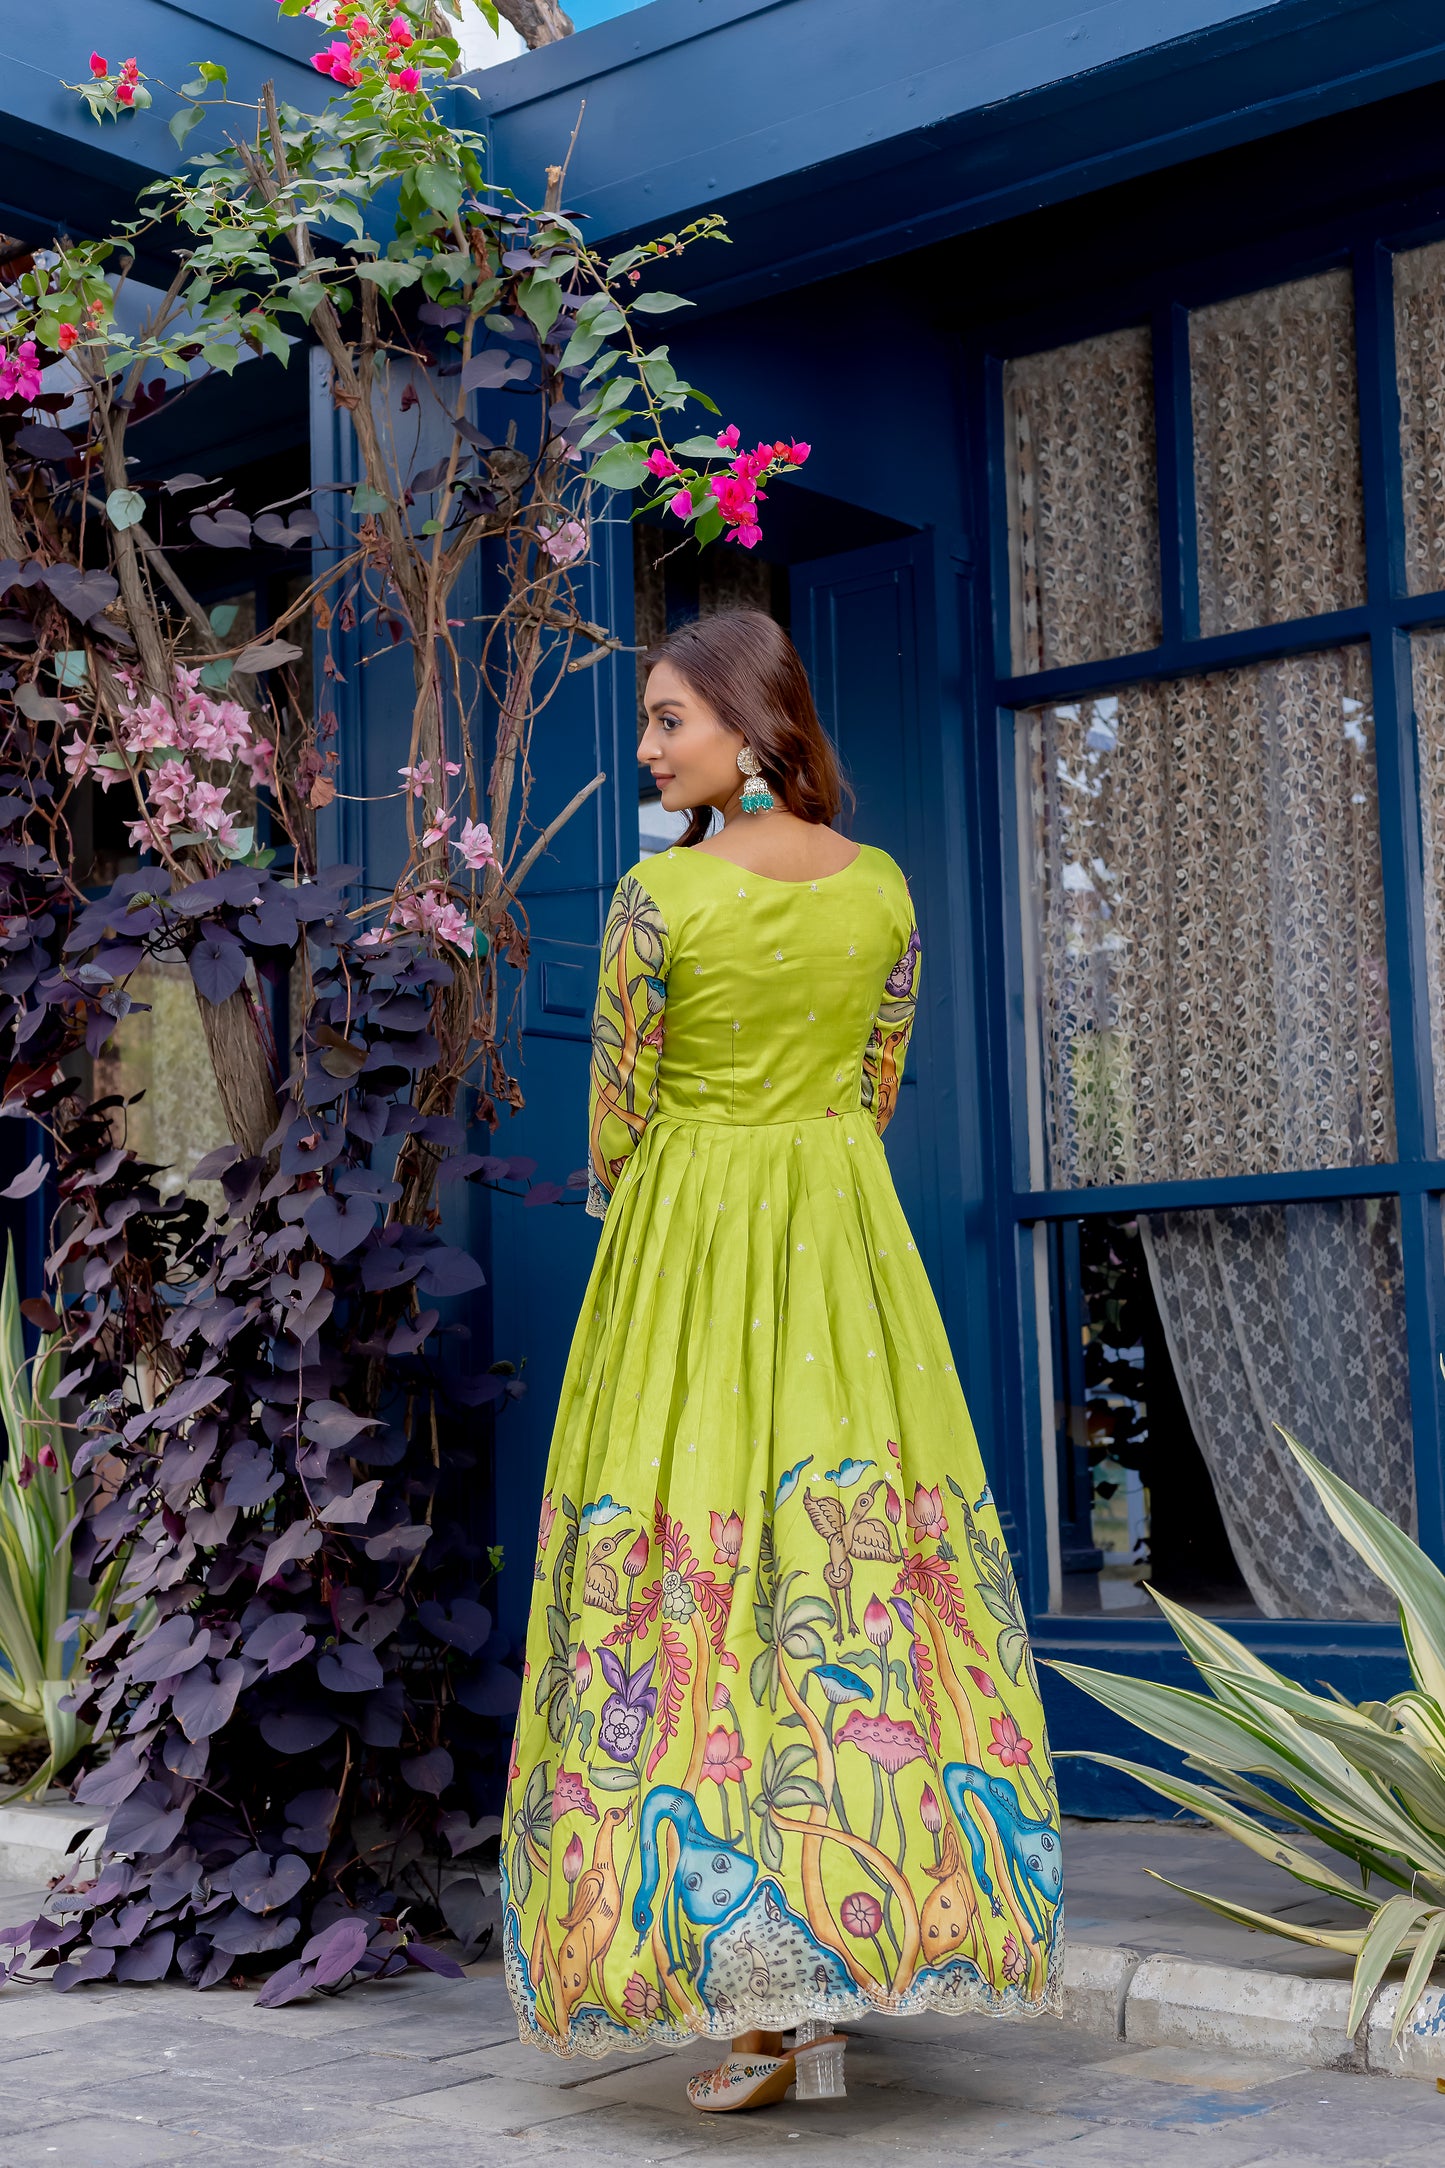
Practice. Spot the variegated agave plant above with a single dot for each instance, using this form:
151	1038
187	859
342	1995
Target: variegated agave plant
1367	1781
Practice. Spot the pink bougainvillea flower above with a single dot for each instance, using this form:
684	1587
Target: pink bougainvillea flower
681	504
926	1516
728	438
399	30
661	463
99	66
77	756
46	1457
861	1914
641	2000
982	1681
418	778
884	1739
571	1796
406	80
130	71
749	534
67	337
930	1813
723	1759
20	371
797	453
430	912
437	827
563	544
476	846
125	93
572	1859
1008	1742
727	1538
877	1624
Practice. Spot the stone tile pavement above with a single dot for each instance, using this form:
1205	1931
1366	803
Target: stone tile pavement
425	2073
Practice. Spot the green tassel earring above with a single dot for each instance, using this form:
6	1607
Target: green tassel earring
756	798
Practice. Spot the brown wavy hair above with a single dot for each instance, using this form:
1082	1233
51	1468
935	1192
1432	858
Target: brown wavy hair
750	674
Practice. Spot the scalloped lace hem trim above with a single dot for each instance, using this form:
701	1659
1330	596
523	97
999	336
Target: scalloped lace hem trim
938	1996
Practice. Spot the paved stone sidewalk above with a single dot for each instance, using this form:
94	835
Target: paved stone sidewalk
424	2073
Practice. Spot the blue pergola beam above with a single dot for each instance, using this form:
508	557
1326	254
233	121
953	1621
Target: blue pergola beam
832	142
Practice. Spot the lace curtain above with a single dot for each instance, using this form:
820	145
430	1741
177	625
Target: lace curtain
1085	528
1292	1314
1420	366
1208	913
1210	927
1280	501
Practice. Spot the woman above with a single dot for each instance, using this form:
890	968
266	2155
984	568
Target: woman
781	1758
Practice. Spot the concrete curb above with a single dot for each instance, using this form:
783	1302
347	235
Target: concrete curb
1158	2001
35	1840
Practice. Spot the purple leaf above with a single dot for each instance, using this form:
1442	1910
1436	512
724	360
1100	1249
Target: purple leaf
328	1422
351	1668
493	1691
353	1511
296	1731
175	1645
94	1965
215	1163
229	530
270	1633
405	1541
264	1885
148	1960
143	1824
244	1934
417	1953
297	1541
203	1702
113	1780
186	1400
428	1772
335	1950
469	1627
218	966
24	1185
339	1225
448	1271
544	1193
287	1984
43	442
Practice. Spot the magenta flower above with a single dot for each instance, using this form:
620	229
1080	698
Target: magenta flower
406	80
661	463
572	1859
723	1759
877	1624
571	1796
728	438
884	1739
1009	1743
98	66
727	1538
681	504
930	1813
861	1914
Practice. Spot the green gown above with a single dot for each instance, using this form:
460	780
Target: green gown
780	1752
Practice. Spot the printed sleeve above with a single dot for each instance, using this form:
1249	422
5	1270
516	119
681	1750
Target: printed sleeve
892	1029
627	1032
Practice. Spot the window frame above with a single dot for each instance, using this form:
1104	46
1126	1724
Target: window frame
1384	623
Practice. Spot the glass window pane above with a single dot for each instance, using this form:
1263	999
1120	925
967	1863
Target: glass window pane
1083	520
1420	363
165	1057
1209	921
1183	1338
1277	454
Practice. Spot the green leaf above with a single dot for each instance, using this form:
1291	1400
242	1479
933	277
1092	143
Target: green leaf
1416	1582
699	448
390	277
71	665
245	837
367	499
125	507
1421	1966
659	304
221	356
183	121
1392	1925
623	467
623	263
614	1779
521	1869
707	528
223	617
541	298
441	188
217	672
580	348
771	1845
1012	1646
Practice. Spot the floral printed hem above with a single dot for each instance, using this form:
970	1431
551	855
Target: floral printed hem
952	1991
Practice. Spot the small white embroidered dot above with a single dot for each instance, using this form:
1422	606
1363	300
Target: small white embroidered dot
656	1464
843	1419
756	1322
910	1245
802	1245
850	1140
814	886
702	1088
806	1358
779	954
811	1018
872	1352
920	1366
697	971
722	1208
762	1208
742	891
883	1253
692	1448
767	1083
736	1025
948	1366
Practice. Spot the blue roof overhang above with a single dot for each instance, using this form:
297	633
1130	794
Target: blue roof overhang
59	172
834	134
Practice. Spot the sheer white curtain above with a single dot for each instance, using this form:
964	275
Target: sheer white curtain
1208	924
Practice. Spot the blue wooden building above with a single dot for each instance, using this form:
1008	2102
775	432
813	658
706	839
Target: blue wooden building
1118	332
